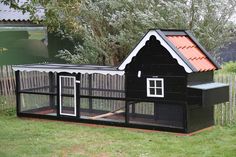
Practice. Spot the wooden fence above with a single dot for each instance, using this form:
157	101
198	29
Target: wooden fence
225	113
7	87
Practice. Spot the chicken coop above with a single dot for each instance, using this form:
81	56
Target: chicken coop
165	83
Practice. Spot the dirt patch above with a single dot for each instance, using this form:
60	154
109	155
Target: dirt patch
196	132
76	149
80	150
102	155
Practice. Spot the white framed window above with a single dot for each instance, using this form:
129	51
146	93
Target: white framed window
155	87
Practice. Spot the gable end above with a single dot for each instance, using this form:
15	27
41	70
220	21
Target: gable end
181	61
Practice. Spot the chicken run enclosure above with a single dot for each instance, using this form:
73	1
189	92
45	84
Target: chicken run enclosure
100	97
98	94
165	83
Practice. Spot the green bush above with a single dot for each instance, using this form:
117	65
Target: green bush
228	67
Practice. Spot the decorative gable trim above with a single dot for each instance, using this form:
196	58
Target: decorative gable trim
181	61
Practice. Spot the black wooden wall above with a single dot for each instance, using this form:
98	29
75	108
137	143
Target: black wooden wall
153	60
200	77
199	117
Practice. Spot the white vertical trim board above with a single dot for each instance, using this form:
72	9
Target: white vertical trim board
155	87
60	95
163	43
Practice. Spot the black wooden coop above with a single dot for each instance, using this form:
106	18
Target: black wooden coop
165	83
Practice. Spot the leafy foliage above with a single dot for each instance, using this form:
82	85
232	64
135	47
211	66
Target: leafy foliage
104	32
228	67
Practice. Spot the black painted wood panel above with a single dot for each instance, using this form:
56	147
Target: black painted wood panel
154	61
199	118
170	114
208	97
201	77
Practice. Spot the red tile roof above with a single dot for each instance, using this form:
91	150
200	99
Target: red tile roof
191	52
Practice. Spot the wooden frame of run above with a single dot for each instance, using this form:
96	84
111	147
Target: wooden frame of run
123	110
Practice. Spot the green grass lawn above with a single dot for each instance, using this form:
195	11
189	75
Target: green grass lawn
39	138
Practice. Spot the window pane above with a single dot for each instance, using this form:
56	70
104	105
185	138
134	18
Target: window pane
158	83
158	91
151	83
152	91
155	87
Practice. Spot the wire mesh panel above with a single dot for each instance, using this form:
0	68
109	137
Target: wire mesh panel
144	108
67	95
153	113
103	109
30	103
102	85
34	81
102	90
142	113
38	93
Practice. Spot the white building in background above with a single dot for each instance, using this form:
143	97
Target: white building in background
8	14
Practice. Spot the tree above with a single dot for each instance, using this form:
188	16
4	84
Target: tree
104	32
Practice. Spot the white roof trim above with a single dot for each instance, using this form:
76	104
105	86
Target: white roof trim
85	71
163	43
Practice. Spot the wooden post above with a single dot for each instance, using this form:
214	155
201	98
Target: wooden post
58	95
77	97
126	102
90	92
18	101
133	108
155	111
51	89
126	112
185	117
